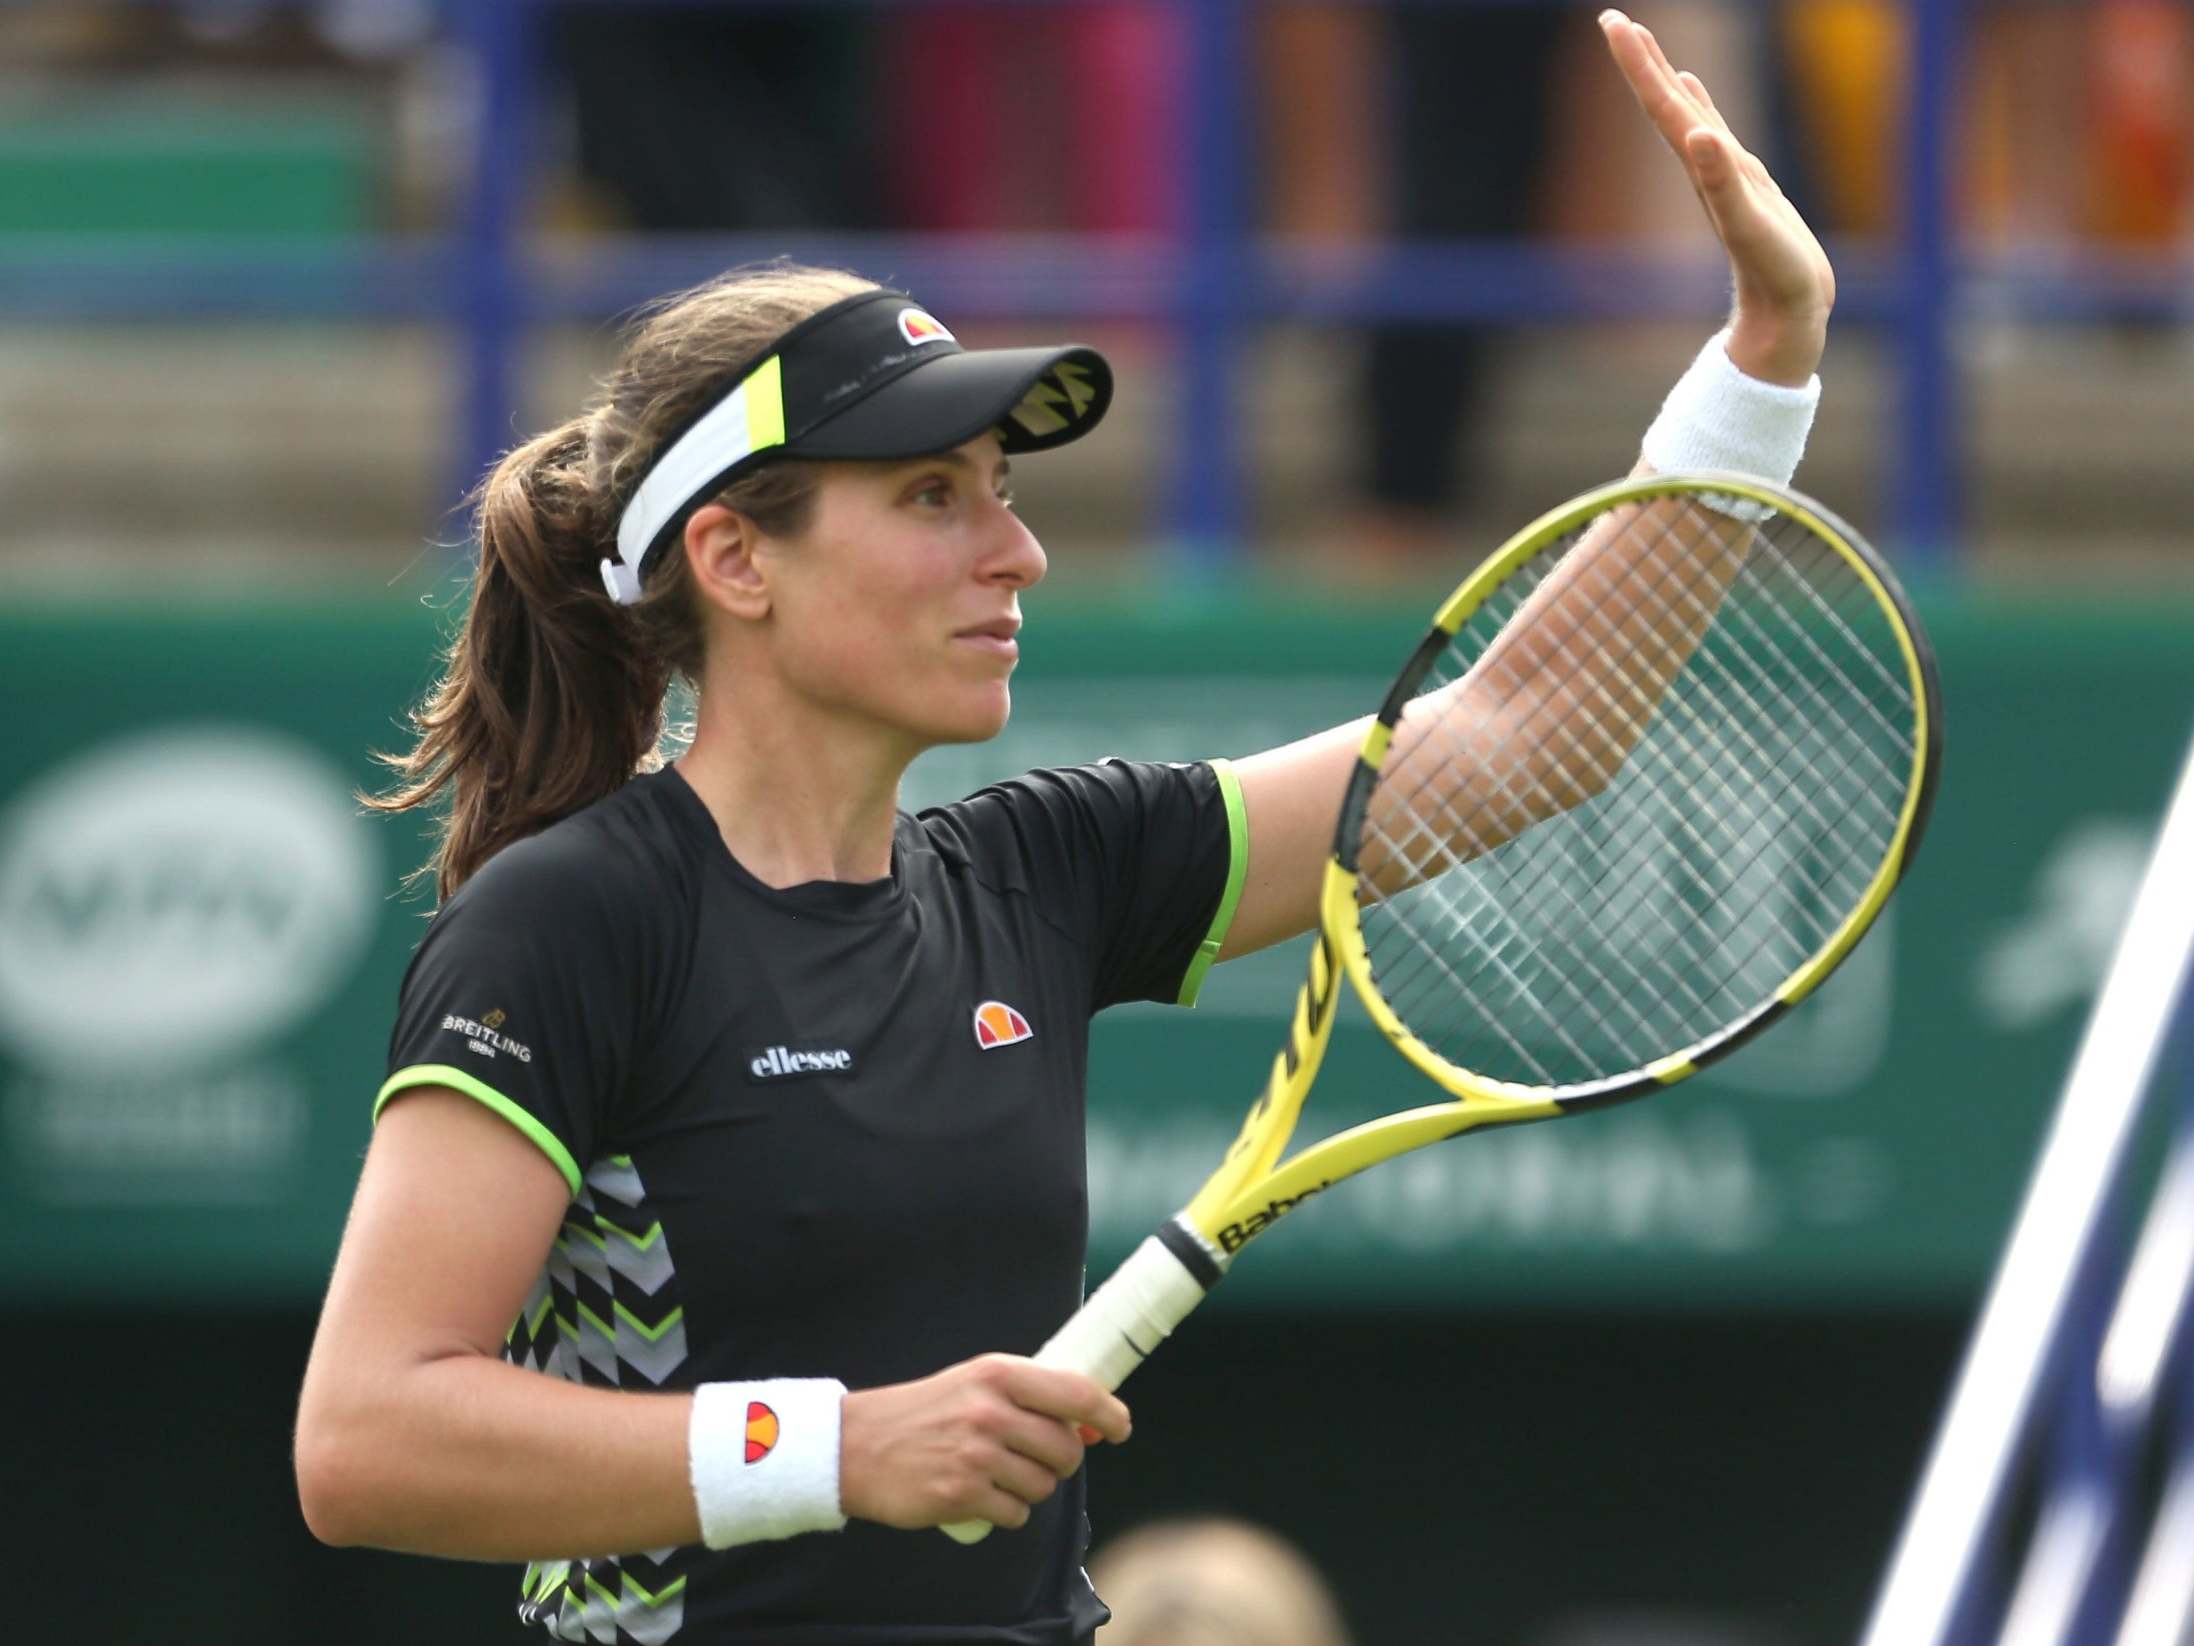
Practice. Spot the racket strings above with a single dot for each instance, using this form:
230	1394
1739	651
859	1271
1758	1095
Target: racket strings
1860	791
1690	993
1497	953
1708	660
1762	775
1439	857
1478	761
1890	683
1435	775
1551	886
1882	721
1801	725
1494	1021
1666	980
1714	765
1421	830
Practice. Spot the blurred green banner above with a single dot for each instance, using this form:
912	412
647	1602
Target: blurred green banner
201	937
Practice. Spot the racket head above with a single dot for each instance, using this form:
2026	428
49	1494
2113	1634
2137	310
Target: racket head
1803	734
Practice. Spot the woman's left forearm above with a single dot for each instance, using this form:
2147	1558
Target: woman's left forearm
1556	705
1550	712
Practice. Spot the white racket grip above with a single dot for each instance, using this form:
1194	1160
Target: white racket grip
1115	1330
1126	1318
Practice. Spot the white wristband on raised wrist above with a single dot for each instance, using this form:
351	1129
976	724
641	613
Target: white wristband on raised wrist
1718	418
764	1459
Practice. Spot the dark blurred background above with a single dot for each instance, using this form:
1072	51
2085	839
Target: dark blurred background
1380	283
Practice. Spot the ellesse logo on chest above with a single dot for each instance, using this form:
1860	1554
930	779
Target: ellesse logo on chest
997	1024
792	1062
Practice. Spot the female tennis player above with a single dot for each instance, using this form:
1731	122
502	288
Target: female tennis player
745	1106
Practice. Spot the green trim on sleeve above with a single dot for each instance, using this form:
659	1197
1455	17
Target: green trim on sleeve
1230	790
442	1074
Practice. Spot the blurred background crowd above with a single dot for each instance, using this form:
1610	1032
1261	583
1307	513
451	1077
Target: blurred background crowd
1381	282
330	443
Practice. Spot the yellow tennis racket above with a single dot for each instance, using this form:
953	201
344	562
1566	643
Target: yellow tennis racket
1652	774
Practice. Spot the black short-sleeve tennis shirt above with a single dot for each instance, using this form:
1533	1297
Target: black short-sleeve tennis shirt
828	1130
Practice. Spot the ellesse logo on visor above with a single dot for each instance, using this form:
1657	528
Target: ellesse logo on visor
919	326
997	1024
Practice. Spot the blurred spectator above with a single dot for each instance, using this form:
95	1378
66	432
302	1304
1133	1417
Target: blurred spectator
1844	62
696	119
929	117
1036	117
1500	123
1509	122
1472	91
2142	71
1322	82
2032	120
2079	127
1212	1582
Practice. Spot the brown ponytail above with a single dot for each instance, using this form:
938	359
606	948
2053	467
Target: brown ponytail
552	694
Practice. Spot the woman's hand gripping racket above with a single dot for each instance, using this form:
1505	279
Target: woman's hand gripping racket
1650	777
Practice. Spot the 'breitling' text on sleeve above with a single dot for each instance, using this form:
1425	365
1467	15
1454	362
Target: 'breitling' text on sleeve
522	996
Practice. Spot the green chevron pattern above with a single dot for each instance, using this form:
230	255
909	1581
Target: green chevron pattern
606	1311
572	1602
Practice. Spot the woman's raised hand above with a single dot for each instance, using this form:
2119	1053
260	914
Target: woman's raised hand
979	1441
1784	284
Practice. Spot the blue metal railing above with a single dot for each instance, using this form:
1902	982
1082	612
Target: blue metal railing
1222	280
490	285
1213	285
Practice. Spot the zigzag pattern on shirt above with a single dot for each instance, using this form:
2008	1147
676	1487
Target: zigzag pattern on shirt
606	1311
610	1288
605	1601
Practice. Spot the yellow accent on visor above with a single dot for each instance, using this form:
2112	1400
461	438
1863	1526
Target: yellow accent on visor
765	392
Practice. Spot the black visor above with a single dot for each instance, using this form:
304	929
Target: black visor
873	377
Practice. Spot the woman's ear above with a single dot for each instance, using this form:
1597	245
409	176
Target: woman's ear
720	548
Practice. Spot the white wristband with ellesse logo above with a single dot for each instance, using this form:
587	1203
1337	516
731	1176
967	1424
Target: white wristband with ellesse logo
764	1459
1716	417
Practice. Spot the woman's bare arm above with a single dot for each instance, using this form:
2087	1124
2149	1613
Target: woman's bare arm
413	1434
1533	728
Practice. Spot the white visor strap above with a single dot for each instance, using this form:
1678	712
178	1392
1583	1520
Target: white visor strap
749	419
